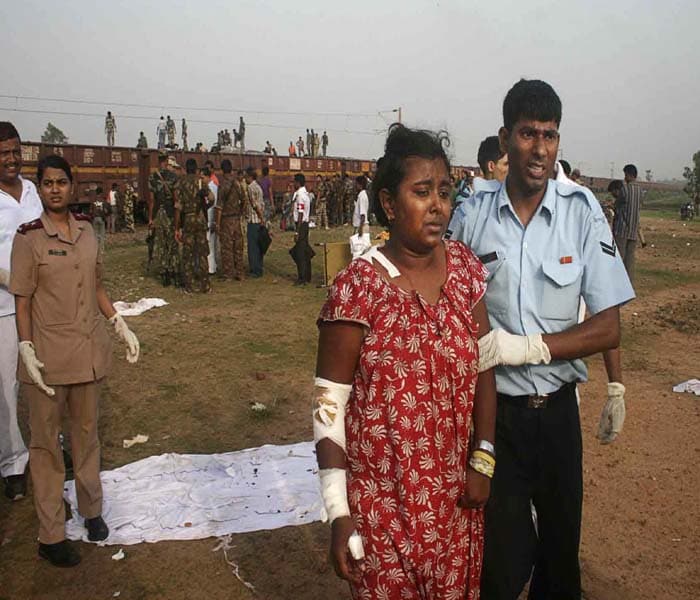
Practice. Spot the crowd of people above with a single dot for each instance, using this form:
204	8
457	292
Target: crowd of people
445	404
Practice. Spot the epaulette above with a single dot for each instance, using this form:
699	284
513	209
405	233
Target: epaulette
486	185
82	217
583	193
35	224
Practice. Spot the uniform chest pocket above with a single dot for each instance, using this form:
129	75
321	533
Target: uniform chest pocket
58	280
498	290
562	288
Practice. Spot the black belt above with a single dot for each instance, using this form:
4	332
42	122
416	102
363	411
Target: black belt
535	401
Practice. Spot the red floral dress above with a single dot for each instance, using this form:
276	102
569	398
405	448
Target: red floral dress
407	427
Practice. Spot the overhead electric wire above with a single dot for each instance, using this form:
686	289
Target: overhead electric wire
191	108
151	118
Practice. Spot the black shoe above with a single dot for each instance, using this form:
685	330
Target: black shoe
61	554
16	487
97	529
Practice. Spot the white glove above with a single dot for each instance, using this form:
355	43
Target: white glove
34	366
123	331
613	417
498	347
4	277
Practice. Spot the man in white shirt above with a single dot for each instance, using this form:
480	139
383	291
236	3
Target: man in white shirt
302	252
19	203
113	208
359	217
212	233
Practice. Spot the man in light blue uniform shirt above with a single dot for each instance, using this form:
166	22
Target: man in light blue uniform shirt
545	244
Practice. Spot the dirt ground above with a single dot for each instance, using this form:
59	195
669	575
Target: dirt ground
205	359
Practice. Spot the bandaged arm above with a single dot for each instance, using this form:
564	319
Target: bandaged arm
329	402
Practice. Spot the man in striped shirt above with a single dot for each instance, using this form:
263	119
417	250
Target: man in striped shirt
626	222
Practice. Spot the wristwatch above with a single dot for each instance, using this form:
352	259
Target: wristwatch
486	446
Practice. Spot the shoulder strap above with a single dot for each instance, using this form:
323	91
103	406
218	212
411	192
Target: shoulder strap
374	253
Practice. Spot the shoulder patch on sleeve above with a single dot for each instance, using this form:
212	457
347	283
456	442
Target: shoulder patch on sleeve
82	217
25	227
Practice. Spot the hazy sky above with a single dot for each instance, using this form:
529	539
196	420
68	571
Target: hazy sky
626	71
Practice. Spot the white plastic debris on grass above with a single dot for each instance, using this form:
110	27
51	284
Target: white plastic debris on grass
225	546
137	439
258	407
119	555
195	496
134	309
691	386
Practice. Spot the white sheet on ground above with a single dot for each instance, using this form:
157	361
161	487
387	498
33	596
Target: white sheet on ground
134	309
194	496
692	386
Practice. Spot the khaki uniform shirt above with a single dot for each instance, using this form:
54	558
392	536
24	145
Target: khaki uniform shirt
60	276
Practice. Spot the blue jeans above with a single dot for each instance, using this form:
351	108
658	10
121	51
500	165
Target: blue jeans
255	255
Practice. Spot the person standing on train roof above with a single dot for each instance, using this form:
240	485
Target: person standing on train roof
19	203
110	128
65	350
324	143
160	133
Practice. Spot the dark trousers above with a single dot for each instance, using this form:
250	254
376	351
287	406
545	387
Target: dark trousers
302	254
255	255
538	460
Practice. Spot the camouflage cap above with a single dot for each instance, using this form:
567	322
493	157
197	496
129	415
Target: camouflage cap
162	156
172	162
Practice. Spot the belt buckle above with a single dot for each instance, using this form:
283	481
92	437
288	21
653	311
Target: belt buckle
537	401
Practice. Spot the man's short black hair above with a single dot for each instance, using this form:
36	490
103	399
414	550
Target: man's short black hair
191	166
226	166
615	185
250	171
630	170
265	171
206	171
300	178
565	166
7	131
489	150
531	99
361	180
208	163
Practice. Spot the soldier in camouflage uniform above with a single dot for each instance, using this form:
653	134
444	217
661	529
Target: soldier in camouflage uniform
230	206
170	131
321	202
349	195
161	210
129	202
332	201
191	204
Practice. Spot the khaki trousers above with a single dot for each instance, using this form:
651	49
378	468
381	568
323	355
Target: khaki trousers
46	458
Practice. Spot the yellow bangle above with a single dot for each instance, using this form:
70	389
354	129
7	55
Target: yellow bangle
484	456
481	466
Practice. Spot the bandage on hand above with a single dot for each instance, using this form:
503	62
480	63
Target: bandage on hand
613	416
34	366
498	347
132	343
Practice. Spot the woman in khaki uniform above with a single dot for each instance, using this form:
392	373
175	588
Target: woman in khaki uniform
65	350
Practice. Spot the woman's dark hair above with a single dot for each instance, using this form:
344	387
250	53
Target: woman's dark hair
531	99
403	143
53	161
